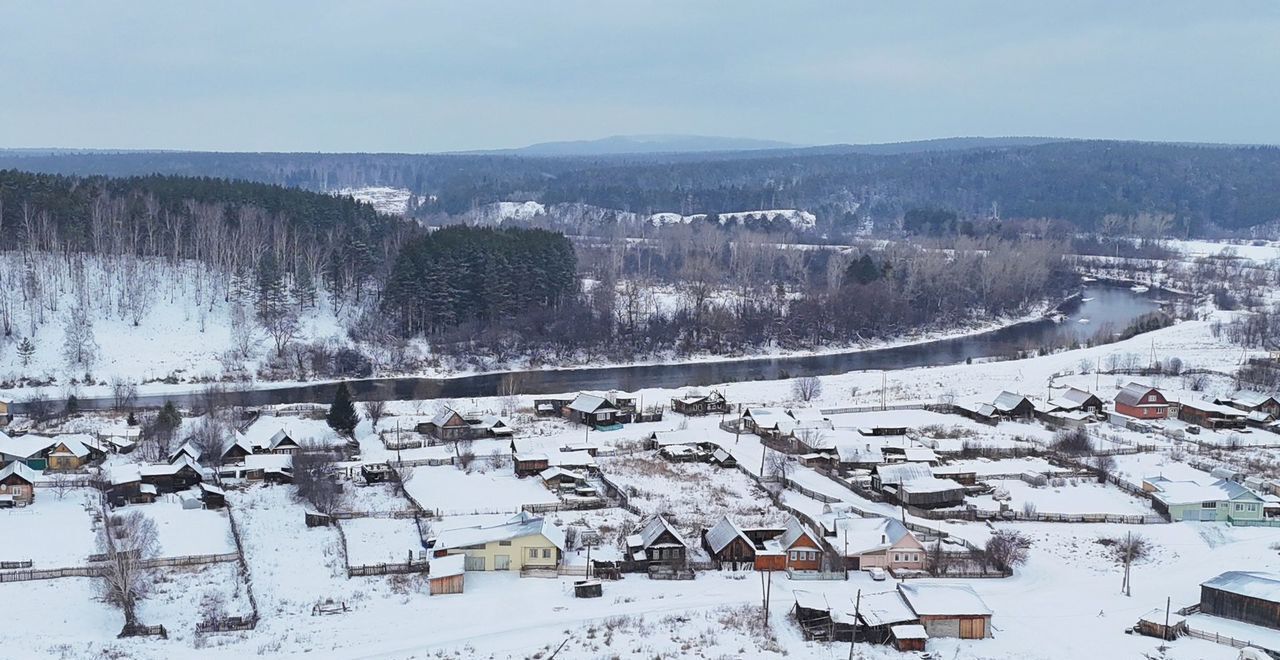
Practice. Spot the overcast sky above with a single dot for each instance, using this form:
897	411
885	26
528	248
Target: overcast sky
436	76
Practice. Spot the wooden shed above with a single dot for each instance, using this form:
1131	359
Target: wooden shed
447	574
909	637
1248	596
1162	623
948	610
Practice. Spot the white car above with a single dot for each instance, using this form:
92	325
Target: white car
878	574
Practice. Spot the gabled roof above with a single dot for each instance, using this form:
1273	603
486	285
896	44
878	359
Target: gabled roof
920	455
900	473
590	403
1254	584
186	449
25	446
1134	393
239	440
519	526
281	437
75	445
796	531
445	414
1213	408
724	533
883	609
680	437
21	470
1071	399
1192	492
862	535
943	600
556	471
1249	399
182	461
268	462
654	529
1006	401
125	473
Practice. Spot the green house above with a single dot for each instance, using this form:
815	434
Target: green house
1221	500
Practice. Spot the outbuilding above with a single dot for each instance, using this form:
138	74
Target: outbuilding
446	574
950	610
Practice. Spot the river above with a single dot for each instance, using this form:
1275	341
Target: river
1100	308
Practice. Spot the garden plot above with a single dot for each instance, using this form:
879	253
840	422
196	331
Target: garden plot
1073	496
693	495
450	491
52	532
381	540
62	610
181	597
611	525
986	466
187	532
292	565
374	498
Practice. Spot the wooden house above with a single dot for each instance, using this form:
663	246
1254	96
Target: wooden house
802	548
69	453
1162	623
550	407
593	410
950	610
376	473
713	403
530	463
1075	399
523	542
1211	415
914	484
17	485
188	450
447	425
124	486
1011	405
173	477
1249	596
1142	402
6	411
28	449
446	574
657	543
239	448
1253	402
212	496
729	546
556	478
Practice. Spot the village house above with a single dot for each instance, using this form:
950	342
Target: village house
182	474
1249	596
1142	402
524	542
1221	500
1253	402
448	425
879	613
657	543
600	410
1006	405
914	484
763	421
29	450
6	411
188	450
1074	399
729	545
70	452
492	426
242	447
950	610
557	479
713	403
212	496
803	549
1211	415
17	485
124	486
875	542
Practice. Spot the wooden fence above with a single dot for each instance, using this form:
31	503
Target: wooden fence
226	624
624	500
138	630
393	515
1222	639
27	575
419	462
415	566
10	565
243	564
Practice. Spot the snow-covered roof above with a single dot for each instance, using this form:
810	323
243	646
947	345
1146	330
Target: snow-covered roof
74	443
1192	492
521	525
557	472
280	437
571	458
443	416
492	423
447	566
1133	394
1221	411
1249	399
808	414
125	473
162	469
1006	401
679	437
1071	399
1258	417
590	403
210	488
920	455
22	470
883	608
268	462
1159	615
186	448
931	485
1254	584
654	529
723	533
943	600
856	535
24	446
811	600
796	531
909	631
903	472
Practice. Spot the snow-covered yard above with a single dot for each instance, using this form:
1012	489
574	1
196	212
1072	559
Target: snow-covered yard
186	532
449	490
1073	496
52	532
381	540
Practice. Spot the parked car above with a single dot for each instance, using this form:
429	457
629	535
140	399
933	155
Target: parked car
878	574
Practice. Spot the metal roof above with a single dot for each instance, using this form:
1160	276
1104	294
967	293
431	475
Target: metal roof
1254	584
723	534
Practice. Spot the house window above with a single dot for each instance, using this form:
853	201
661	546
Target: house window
504	542
533	553
602	416
1151	398
546	553
1208	505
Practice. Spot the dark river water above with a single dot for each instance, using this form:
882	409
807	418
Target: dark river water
1099	309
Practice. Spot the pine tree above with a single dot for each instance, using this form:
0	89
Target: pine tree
342	415
168	419
26	349
73	405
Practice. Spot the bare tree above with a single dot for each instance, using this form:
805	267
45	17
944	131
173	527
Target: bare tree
124	393
1007	548
465	458
777	467
1105	465
209	438
939	559
375	410
127	540
38	407
497	459
315	480
79	347
806	388
61	484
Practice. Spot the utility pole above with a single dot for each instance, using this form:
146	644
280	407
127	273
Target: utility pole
1128	559
884	383
1168	601
737	427
853	637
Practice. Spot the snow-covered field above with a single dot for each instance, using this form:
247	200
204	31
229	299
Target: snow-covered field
1074	496
381	540
52	532
385	199
187	532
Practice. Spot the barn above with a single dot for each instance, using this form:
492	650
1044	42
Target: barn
950	610
447	574
1248	596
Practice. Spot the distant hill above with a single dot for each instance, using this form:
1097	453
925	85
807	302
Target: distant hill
640	144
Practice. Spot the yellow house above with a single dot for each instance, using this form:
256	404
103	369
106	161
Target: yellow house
68	453
524	541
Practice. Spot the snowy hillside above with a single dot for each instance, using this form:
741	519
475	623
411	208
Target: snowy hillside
802	220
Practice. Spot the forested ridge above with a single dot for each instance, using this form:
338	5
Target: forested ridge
1202	188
